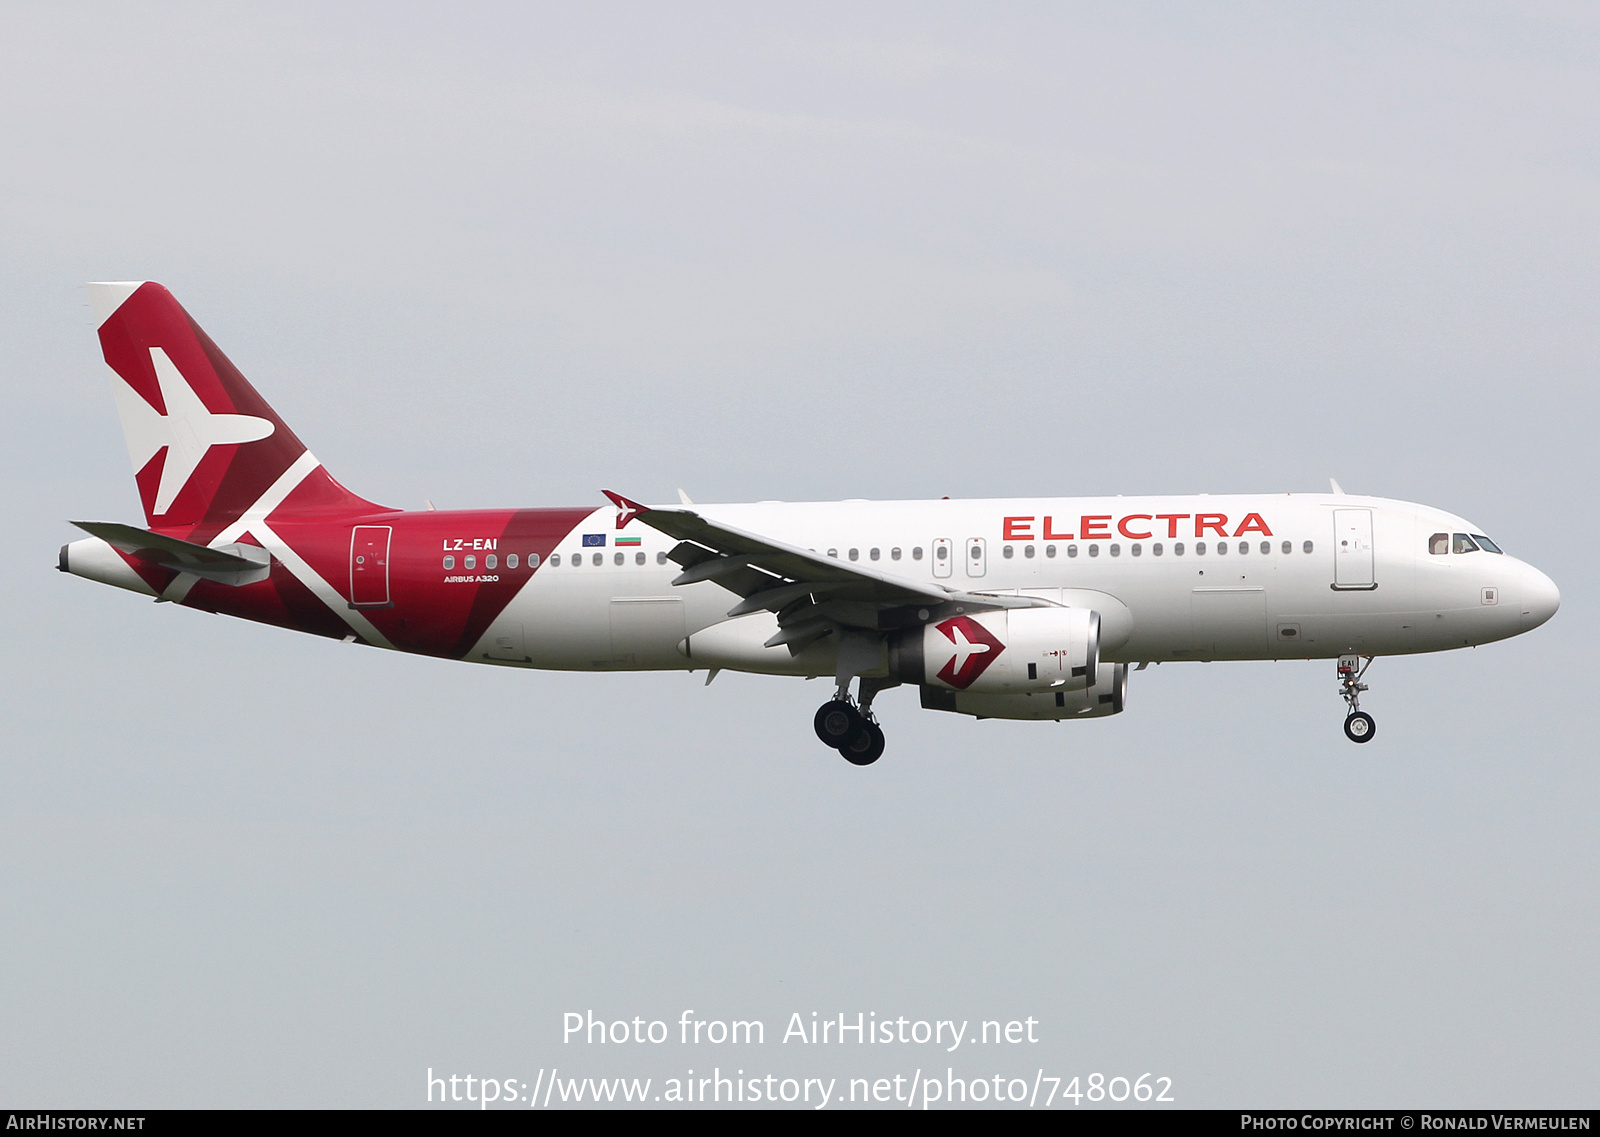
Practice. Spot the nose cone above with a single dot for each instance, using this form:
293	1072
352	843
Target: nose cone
1540	598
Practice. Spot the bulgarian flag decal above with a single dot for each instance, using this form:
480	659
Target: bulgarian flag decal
626	541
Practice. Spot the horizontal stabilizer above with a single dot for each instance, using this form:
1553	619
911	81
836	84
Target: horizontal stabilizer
225	564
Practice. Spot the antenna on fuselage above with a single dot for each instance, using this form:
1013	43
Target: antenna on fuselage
1336	487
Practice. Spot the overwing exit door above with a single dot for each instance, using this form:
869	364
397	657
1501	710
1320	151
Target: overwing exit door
369	566
977	558
1352	550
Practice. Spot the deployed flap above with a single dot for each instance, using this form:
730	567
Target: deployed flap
226	564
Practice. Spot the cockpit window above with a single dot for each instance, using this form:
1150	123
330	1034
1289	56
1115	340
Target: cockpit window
1463	544
1485	544
1439	544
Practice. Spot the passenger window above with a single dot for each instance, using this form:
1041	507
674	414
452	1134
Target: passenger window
1027	551
1461	544
1155	550
1288	547
1485	544
834	553
1222	548
449	562
1094	550
1266	547
469	561
617	560
1049	550
940	552
894	554
638	558
1006	552
1116	549
873	555
1177	549
491	561
511	560
916	552
1439	544
1072	550
1199	548
855	554
1135	550
661	558
1244	547
555	559
1307	547
599	559
533	560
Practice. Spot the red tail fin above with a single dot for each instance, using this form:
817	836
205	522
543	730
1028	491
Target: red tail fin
205	447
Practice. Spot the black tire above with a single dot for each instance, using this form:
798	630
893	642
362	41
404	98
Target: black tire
1359	727
864	747
836	721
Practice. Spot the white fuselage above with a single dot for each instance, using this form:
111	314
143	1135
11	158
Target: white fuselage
1279	576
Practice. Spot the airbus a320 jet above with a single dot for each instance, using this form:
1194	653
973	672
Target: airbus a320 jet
1016	608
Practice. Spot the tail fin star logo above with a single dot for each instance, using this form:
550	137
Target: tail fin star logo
975	649
187	431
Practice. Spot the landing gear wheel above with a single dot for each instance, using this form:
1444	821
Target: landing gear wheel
865	746
836	722
1359	727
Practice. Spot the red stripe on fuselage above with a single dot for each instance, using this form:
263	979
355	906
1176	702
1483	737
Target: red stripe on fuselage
428	614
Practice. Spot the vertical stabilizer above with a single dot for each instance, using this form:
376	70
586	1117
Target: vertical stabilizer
205	446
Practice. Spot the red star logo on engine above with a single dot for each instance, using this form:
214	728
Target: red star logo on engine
975	649
626	510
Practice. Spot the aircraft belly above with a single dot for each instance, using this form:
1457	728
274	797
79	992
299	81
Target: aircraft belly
600	623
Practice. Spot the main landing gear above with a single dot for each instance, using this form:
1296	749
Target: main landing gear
849	729
1358	725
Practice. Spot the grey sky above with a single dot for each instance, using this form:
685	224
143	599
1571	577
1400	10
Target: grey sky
509	255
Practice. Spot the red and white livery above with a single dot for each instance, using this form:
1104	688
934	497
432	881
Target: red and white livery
1023	608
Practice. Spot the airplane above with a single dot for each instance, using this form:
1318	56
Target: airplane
1019	608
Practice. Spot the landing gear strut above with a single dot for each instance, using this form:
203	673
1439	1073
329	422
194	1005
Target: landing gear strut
849	727
1358	725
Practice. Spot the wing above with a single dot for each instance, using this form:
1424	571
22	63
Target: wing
811	594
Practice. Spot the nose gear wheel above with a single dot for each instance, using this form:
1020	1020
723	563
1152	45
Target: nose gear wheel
1358	725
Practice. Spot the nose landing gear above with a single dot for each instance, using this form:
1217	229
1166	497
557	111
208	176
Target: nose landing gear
1358	725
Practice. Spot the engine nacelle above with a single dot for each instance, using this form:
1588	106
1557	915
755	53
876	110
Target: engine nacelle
1107	697
1004	652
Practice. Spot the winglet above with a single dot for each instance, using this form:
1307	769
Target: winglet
626	510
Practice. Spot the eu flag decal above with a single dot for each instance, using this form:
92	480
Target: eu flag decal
594	540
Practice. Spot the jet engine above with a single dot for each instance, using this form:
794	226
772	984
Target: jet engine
1107	697
1002	652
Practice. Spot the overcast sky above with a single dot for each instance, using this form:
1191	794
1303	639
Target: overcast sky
497	255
